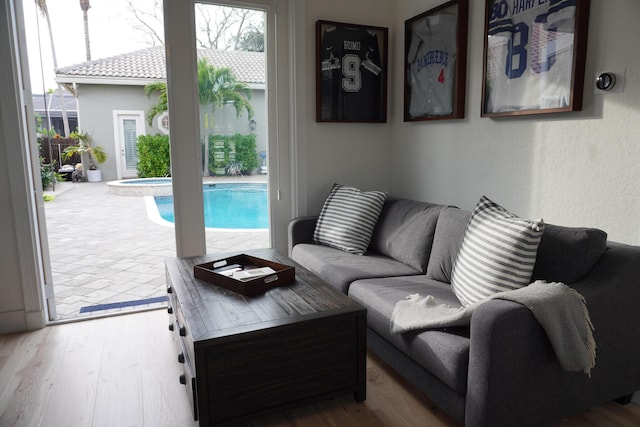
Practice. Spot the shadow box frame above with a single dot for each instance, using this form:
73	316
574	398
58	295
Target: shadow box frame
427	75
503	70
335	73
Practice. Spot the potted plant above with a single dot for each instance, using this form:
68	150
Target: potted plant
94	154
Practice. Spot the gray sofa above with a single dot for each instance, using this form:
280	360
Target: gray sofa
500	371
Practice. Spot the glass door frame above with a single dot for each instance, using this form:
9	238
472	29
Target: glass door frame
184	118
286	82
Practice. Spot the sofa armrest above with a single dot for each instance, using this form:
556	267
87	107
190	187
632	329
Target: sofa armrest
512	367
514	372
301	230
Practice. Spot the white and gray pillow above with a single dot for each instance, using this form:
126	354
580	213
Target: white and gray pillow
348	218
497	254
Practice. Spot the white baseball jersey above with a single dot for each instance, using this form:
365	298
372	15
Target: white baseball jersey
432	59
529	55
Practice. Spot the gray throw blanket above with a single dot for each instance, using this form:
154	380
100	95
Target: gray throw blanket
560	310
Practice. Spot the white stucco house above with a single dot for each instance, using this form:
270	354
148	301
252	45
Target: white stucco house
112	105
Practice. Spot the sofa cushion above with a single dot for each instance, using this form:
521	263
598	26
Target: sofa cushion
405	231
566	254
442	352
348	218
450	228
497	254
340	268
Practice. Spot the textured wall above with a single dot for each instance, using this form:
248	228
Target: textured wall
576	169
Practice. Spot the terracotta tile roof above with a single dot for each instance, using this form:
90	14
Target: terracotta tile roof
249	67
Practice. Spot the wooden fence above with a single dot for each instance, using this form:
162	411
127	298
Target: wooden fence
52	148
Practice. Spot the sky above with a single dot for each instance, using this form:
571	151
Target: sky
110	32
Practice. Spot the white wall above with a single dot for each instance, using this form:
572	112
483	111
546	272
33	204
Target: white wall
347	153
96	104
576	169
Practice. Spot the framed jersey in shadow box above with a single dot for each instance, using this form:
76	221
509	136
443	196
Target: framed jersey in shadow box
351	72
435	63
534	56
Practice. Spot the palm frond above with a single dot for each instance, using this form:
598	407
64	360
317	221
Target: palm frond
216	86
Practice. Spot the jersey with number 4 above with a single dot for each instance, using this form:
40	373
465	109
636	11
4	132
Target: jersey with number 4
529	54
351	75
432	60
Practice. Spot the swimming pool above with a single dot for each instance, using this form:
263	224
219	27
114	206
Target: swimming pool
227	205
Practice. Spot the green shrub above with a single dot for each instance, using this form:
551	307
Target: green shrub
48	175
222	155
246	152
153	156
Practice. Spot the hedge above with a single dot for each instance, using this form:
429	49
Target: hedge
245	151
154	159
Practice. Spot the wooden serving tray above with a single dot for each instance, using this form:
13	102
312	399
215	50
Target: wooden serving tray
283	275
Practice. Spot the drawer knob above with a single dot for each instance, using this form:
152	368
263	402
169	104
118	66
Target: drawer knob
181	358
183	379
183	331
171	326
170	310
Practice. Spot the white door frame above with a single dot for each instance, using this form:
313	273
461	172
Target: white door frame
284	124
285	154
17	121
118	132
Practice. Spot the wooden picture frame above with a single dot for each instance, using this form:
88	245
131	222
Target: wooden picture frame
435	63
534	57
351	72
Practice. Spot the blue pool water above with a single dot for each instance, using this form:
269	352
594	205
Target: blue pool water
227	206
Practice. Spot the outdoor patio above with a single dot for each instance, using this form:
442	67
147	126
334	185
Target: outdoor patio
104	249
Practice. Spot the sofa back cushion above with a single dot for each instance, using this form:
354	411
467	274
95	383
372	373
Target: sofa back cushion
566	254
449	232
405	231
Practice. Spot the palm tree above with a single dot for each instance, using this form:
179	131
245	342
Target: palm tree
160	105
85	5
95	153
42	6
216	88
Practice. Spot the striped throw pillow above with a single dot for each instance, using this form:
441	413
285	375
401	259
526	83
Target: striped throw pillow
348	218
497	254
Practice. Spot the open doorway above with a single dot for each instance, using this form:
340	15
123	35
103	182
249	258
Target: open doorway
106	247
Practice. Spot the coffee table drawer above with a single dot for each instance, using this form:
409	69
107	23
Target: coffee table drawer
278	368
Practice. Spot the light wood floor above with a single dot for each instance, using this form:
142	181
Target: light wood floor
122	371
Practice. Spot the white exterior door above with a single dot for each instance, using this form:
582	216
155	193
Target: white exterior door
128	125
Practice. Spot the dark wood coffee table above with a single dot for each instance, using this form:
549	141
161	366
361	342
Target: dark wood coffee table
248	356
